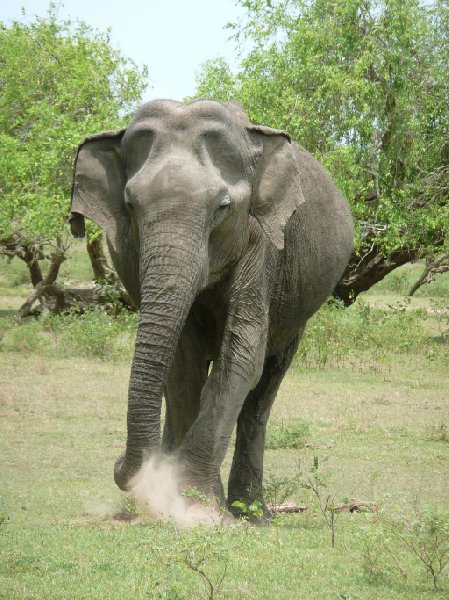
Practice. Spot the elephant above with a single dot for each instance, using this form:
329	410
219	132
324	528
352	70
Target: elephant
228	237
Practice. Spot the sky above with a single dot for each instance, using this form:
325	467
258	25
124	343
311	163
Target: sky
172	37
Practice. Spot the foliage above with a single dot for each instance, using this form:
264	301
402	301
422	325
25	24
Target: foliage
363	85
250	511
59	81
277	489
362	338
280	435
362	335
3	516
206	553
427	537
316	481
388	542
129	509
62	426
94	334
194	493
380	559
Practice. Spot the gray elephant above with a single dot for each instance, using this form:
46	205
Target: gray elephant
228	237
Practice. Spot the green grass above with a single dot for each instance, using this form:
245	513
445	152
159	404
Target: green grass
64	426
367	395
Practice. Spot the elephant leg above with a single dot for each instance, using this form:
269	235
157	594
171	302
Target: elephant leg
183	391
184	384
204	446
246	476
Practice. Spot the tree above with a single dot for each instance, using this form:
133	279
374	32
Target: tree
363	85
59	81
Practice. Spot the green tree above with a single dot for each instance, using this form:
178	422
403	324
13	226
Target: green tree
59	81
363	85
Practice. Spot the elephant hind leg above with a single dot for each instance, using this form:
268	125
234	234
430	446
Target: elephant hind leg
246	476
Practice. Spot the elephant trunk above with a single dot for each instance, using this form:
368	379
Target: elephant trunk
172	271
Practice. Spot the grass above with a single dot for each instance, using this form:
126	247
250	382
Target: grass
399	282
369	398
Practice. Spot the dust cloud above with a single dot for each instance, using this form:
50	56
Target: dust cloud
157	484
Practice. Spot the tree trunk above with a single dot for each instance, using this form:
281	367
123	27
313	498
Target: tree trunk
29	252
104	274
47	289
32	262
100	267
362	273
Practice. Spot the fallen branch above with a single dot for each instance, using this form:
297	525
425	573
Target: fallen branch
355	505
289	507
56	298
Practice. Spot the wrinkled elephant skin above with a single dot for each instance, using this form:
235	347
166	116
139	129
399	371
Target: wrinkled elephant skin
228	237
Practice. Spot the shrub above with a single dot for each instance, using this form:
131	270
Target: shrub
360	336
94	334
426	537
281	436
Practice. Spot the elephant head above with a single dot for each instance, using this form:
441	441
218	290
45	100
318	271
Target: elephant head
174	193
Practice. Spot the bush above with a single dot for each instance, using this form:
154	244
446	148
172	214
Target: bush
426	538
280	436
94	334
360	336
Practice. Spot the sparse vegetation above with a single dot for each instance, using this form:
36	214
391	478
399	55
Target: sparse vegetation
368	392
281	435
316	480
426	536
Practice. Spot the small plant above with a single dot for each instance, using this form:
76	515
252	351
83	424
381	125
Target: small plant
373	565
316	481
440	309
249	511
426	537
205	552
194	493
3	516
439	433
361	336
109	294
380	558
129	509
278	489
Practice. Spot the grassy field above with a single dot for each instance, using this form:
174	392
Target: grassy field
363	413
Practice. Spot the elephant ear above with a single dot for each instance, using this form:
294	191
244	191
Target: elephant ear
277	190
98	187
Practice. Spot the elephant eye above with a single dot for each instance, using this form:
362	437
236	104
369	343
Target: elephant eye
225	202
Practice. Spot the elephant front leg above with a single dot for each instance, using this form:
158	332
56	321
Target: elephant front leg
233	375
183	391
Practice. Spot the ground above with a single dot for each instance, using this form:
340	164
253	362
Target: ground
366	402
